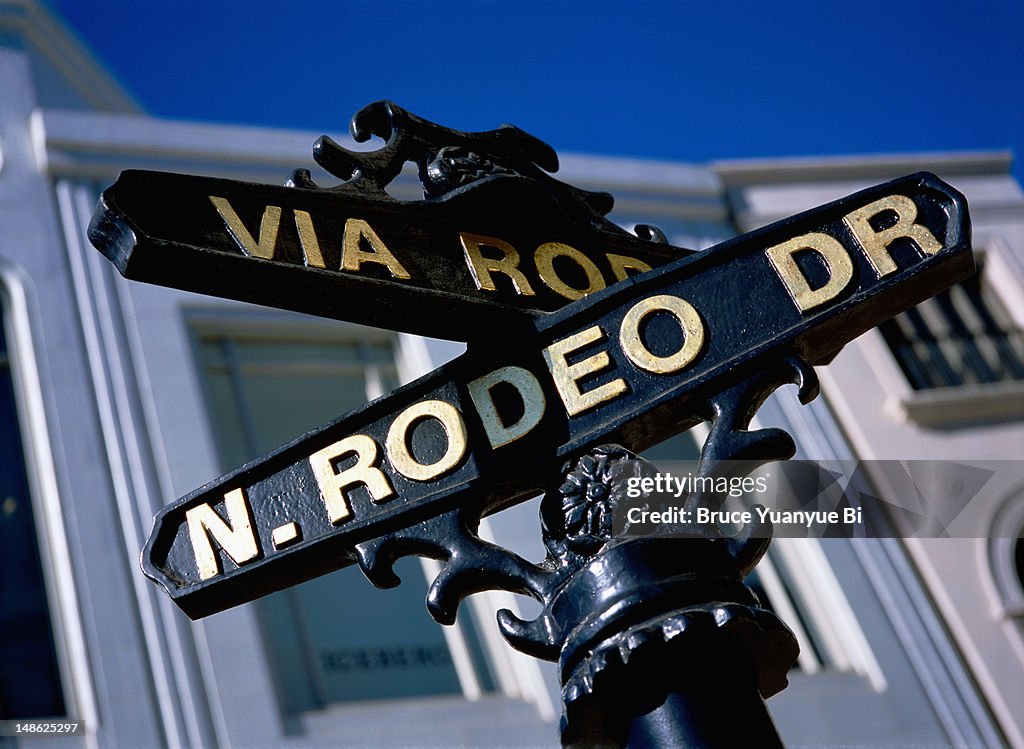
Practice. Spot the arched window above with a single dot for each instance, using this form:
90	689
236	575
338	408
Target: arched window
1006	556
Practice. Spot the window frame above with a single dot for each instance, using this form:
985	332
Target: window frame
1006	585
960	405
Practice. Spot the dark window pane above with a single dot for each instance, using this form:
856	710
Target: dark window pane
962	336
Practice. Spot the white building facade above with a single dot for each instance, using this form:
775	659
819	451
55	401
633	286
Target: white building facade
117	398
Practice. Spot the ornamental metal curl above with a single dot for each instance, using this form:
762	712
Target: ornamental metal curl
506	164
577	519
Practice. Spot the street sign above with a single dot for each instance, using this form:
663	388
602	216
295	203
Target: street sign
579	334
634	363
495	237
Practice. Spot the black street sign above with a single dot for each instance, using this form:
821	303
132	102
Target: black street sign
634	363
494	239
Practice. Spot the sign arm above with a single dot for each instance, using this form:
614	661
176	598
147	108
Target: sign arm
354	252
469	564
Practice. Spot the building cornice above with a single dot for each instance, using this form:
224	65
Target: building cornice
740	173
83	144
69	57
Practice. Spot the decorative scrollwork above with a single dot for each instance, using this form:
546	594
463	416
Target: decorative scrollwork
455	167
471	565
607	599
453	164
729	445
577	514
578	518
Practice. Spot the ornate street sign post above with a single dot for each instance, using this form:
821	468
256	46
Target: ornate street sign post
586	344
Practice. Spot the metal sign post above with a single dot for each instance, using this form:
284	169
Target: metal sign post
620	342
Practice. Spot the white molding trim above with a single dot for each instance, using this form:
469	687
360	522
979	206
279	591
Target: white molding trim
1004	273
775	171
69	57
59	572
782	602
965	405
123	447
830	610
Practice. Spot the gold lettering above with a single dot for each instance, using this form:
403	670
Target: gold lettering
308	240
633	344
875	243
836	258
499	433
545	256
264	246
398	444
235	537
352	256
481	267
566	376
332	484
620	264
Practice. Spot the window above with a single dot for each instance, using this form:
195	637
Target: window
1006	557
962	336
30	684
335	638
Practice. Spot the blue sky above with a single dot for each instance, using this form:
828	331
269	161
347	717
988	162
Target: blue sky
669	80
